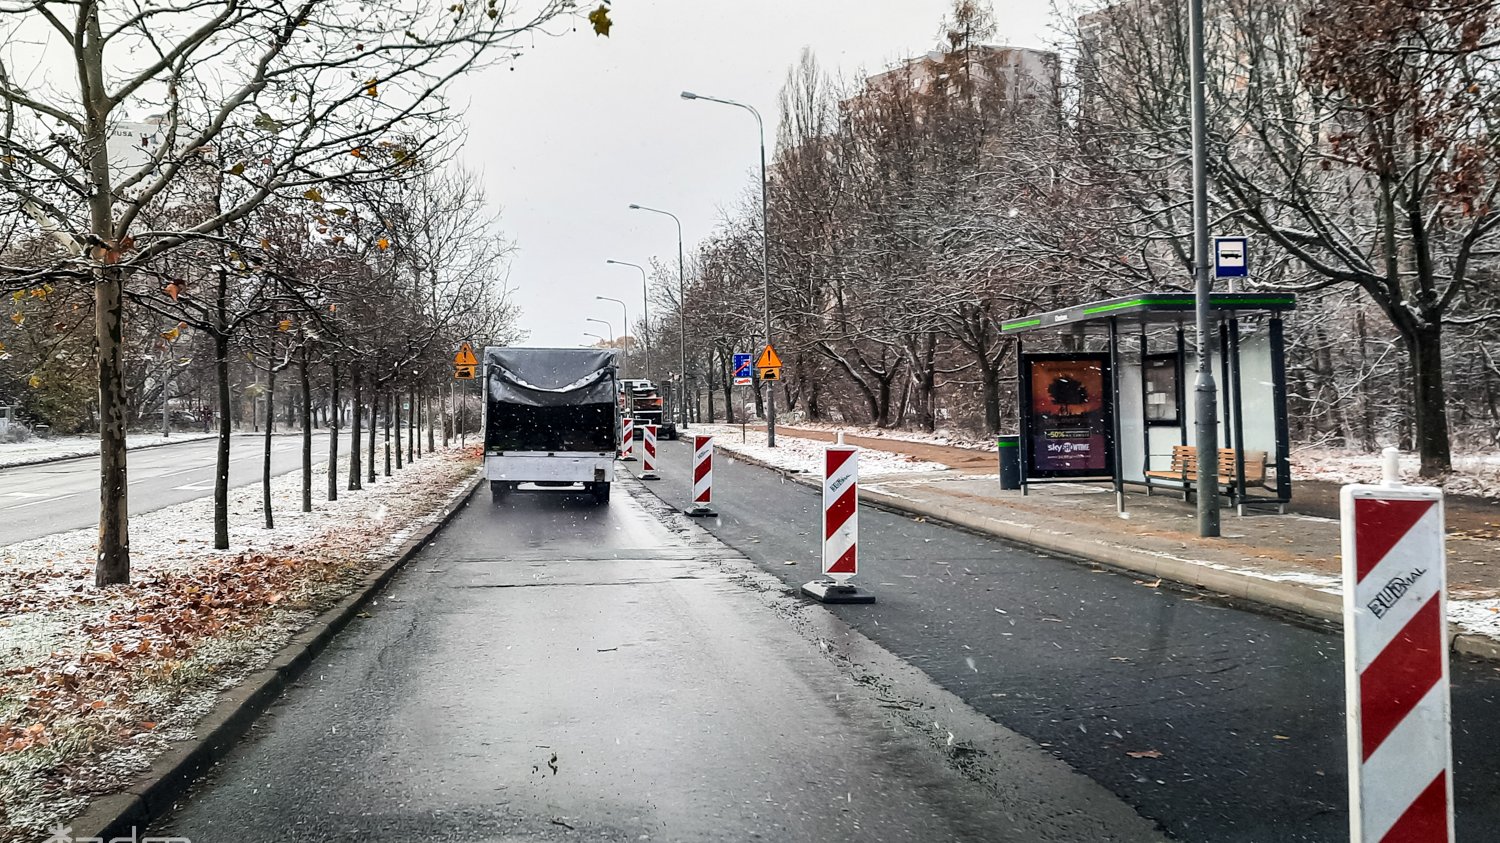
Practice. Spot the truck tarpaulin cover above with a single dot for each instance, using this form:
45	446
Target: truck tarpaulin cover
550	377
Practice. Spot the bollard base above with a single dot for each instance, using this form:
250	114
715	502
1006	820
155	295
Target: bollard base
650	475
627	459
700	511
828	591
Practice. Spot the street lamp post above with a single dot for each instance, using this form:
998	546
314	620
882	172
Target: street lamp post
681	315
605	324
625	331
645	312
1204	389
765	264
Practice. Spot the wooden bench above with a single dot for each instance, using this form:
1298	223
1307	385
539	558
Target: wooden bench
1184	468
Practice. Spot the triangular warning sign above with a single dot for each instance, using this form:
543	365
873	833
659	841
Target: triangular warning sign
465	356
768	359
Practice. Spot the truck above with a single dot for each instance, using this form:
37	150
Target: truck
639	400
552	419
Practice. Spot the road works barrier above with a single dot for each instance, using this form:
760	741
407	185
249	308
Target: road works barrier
648	452
840	527
703	476
627	437
1396	662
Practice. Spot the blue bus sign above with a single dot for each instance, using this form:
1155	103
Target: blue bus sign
1231	257
742	369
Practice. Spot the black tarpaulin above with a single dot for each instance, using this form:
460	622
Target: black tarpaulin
550	377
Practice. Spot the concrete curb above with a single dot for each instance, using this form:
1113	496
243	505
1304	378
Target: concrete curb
1287	596
174	771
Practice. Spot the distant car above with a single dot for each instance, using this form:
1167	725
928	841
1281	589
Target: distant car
178	417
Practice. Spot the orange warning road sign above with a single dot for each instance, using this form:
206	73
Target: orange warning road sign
768	359
463	372
465	356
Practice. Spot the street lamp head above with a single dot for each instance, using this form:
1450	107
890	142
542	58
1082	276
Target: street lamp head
610	260
634	207
689	95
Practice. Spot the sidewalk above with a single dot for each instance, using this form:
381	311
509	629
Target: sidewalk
1291	562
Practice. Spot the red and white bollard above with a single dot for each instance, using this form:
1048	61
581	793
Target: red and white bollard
648	452
703	476
840	528
1396	662
627	439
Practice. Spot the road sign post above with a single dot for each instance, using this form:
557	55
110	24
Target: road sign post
648	452
1396	662
703	476
840	528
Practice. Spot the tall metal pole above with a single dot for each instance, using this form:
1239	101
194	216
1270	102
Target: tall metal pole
645	310
1205	391
681	316
765	264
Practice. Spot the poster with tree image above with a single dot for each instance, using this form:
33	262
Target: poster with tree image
1067	418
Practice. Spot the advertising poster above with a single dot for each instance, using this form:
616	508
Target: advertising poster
1066	403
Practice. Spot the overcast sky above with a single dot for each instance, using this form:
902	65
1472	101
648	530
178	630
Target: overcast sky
584	126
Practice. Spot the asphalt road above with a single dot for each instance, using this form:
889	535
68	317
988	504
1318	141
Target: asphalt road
548	669
1245	708
39	500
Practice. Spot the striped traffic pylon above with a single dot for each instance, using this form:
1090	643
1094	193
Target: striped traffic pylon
627	437
703	476
1396	662
648	452
840	527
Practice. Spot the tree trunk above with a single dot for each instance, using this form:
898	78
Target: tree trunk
431	432
388	404
1431	409
333	429
307	432
396	421
374	412
991	375
221	473
112	564
411	426
356	429
265	462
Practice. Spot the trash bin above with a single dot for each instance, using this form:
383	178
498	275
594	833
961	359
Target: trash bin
42	431
1010	462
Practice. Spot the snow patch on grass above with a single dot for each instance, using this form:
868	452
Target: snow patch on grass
793	453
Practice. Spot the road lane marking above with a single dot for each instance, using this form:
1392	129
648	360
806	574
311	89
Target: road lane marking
43	500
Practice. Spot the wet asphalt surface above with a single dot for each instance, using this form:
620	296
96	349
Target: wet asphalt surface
1245	708
549	670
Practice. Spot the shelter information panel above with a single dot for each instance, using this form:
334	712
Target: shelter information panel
1066	407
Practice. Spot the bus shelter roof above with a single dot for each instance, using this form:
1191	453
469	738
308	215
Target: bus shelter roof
1150	309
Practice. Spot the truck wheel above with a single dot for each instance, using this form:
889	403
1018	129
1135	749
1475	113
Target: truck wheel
498	490
601	493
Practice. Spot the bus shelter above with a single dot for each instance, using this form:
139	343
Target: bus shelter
1105	393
